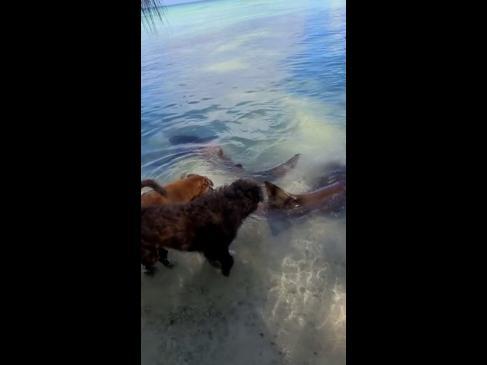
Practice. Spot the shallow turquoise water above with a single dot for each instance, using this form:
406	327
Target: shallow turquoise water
267	80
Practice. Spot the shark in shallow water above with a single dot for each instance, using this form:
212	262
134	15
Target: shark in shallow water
215	154
328	197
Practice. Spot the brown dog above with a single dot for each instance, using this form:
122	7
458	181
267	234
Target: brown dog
207	225
180	191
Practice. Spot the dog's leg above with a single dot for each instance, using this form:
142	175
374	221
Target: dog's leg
150	270
215	263
212	259
163	258
220	258
227	262
149	258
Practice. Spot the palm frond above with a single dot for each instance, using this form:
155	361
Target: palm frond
151	11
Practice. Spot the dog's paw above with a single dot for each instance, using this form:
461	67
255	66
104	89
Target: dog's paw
168	264
226	274
150	271
215	264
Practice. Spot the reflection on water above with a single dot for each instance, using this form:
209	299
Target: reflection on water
266	79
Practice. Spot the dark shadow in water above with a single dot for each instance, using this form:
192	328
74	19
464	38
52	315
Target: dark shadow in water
182	139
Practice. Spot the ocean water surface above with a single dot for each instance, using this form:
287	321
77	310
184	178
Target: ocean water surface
264	80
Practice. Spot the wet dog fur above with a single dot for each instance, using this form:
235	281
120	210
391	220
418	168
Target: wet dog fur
207	225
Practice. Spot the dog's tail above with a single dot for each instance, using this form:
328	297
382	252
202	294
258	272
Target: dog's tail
154	185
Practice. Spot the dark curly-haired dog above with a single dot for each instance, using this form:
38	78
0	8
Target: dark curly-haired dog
207	225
